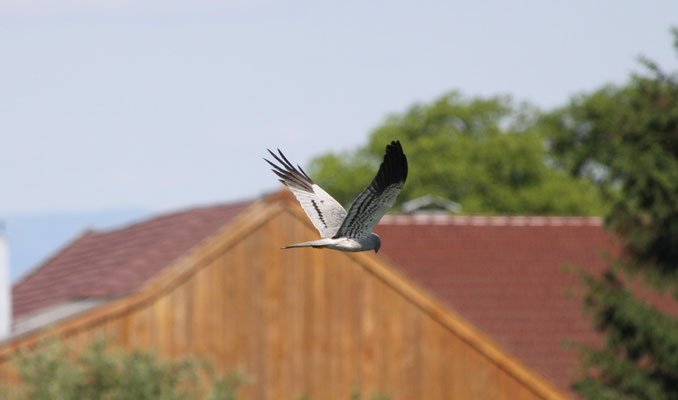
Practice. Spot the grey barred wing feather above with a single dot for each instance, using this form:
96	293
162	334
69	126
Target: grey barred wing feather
323	210
378	197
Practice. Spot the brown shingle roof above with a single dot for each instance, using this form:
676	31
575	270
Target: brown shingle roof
115	262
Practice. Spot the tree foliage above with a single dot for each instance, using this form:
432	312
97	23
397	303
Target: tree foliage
484	153
640	357
625	138
51	372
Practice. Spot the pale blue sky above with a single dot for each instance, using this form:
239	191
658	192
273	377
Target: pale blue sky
163	104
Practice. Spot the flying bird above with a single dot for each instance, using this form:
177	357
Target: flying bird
339	229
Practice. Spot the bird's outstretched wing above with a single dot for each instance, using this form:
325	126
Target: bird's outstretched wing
378	197
323	210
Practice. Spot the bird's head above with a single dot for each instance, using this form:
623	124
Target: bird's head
376	242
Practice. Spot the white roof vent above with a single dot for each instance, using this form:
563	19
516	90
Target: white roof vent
430	204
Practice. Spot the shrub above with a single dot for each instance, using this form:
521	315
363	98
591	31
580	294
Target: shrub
52	371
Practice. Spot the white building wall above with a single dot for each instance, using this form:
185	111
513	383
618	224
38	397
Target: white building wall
5	289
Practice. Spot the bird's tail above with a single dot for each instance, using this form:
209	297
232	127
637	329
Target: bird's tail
313	243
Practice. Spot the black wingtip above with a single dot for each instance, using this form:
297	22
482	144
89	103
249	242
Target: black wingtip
393	169
394	147
395	158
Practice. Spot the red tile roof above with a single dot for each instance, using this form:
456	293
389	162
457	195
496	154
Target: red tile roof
506	276
115	262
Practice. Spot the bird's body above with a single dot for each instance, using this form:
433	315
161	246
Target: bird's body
340	229
370	242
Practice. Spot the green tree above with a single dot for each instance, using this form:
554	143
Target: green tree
484	153
625	138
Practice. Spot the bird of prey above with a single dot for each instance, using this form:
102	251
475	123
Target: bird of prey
339	229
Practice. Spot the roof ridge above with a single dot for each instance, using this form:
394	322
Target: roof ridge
490	220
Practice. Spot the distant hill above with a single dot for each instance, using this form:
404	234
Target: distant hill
33	238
